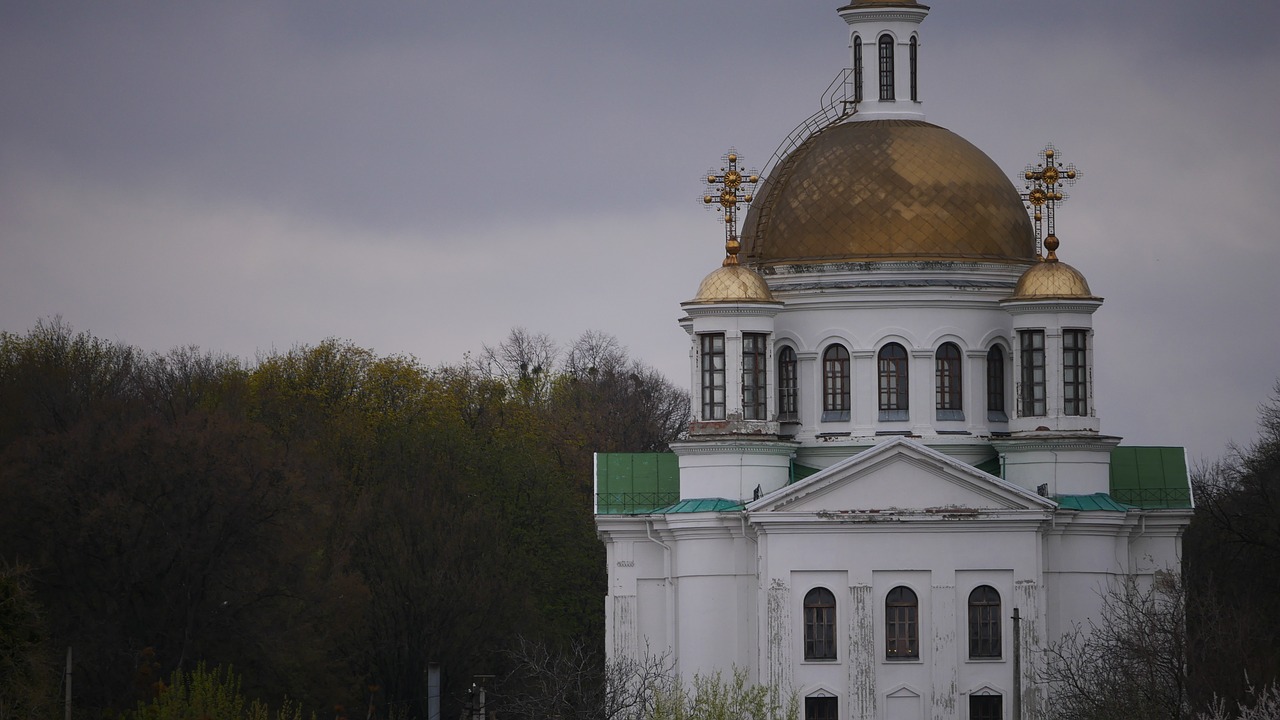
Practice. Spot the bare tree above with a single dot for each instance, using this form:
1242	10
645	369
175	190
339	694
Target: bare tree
1128	665
576	683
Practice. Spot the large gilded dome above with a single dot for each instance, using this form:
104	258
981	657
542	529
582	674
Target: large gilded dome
881	190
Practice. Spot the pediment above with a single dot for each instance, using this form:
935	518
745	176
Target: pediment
899	474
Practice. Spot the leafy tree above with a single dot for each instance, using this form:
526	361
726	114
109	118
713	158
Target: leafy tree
27	678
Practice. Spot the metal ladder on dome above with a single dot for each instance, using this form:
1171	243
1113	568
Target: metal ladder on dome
838	102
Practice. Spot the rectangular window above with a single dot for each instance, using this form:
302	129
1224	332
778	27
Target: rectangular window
712	376
821	708
755	399
1075	370
985	707
1032	388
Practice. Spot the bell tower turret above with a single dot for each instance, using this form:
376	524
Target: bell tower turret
884	40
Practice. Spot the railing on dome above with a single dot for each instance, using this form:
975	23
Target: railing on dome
838	103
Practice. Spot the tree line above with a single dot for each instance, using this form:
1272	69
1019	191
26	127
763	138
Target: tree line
326	520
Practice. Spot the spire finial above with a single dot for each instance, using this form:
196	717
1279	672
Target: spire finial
734	188
1044	182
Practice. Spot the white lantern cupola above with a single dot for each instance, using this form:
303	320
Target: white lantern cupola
884	41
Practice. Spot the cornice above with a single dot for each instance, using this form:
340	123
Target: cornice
745	447
1056	442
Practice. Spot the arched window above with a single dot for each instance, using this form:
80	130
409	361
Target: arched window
886	67
857	68
947	376
788	386
893	382
755	392
819	625
915	96
995	385
712	346
984	622
901	624
835	384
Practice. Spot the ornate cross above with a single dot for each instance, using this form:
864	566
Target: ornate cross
734	188
1044	182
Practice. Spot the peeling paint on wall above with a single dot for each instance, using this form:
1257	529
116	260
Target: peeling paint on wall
944	652
862	653
778	637
624	626
1026	595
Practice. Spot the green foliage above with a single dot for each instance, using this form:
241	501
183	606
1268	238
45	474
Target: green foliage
715	698
325	518
27	677
210	695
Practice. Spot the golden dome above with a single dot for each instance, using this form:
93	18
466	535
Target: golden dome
1052	279
881	190
733	284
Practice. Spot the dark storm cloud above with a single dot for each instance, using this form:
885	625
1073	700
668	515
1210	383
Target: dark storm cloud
420	177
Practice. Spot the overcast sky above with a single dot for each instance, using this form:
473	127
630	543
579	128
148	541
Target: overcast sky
420	177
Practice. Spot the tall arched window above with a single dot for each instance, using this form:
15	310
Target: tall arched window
995	385
788	386
857	68
819	625
894	398
901	624
915	95
984	622
886	67
947	376
835	384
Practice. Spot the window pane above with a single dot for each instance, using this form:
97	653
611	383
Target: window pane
947	366
995	380
901	627
713	362
886	67
1031	344
985	707
819	625
1075	372
821	708
754	380
984	622
892	364
788	405
835	371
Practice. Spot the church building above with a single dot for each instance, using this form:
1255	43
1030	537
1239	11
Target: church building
896	490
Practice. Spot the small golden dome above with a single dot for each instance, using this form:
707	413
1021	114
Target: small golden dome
733	284
884	190
1052	279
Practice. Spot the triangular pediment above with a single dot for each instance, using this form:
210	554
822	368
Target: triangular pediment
899	474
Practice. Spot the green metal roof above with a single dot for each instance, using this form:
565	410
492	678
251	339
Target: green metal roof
1096	501
636	483
694	505
990	466
800	472
1150	477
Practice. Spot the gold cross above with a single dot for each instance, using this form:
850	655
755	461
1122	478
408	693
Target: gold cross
1044	182
734	188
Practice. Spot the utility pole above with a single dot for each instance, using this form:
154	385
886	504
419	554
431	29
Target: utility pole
1017	665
